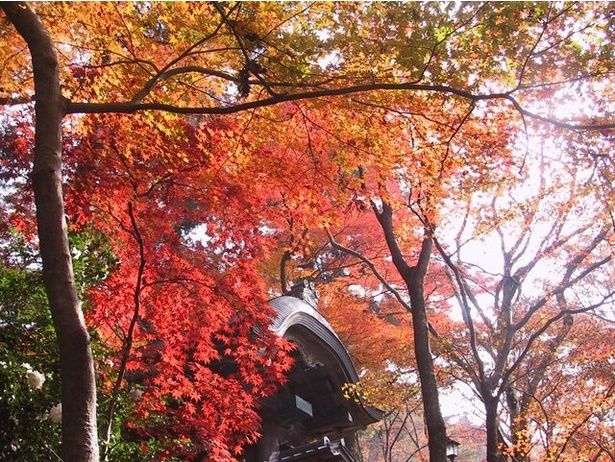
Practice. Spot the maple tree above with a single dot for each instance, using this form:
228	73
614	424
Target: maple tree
146	175
517	338
408	196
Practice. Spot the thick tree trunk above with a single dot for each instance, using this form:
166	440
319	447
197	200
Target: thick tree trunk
436	429
414	277
491	423
79	433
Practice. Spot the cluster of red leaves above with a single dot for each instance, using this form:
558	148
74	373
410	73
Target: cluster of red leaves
15	165
185	294
191	209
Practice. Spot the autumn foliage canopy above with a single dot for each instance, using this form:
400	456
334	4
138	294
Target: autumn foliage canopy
214	152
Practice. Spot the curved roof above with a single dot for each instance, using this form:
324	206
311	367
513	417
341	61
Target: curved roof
293	312
298	320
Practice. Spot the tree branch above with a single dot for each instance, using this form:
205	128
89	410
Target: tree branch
385	218
127	343
372	268
167	72
568	281
465	306
131	107
17	101
546	325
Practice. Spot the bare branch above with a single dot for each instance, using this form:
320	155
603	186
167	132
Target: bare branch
17	101
548	323
567	279
465	306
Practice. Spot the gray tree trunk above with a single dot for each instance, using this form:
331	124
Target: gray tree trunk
79	432
414	277
436	428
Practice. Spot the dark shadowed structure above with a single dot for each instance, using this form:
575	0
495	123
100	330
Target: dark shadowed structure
309	419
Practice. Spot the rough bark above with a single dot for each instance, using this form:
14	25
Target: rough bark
491	423
79	432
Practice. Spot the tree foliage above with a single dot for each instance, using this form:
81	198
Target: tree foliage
548	267
206	140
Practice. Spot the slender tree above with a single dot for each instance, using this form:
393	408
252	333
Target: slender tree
79	429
